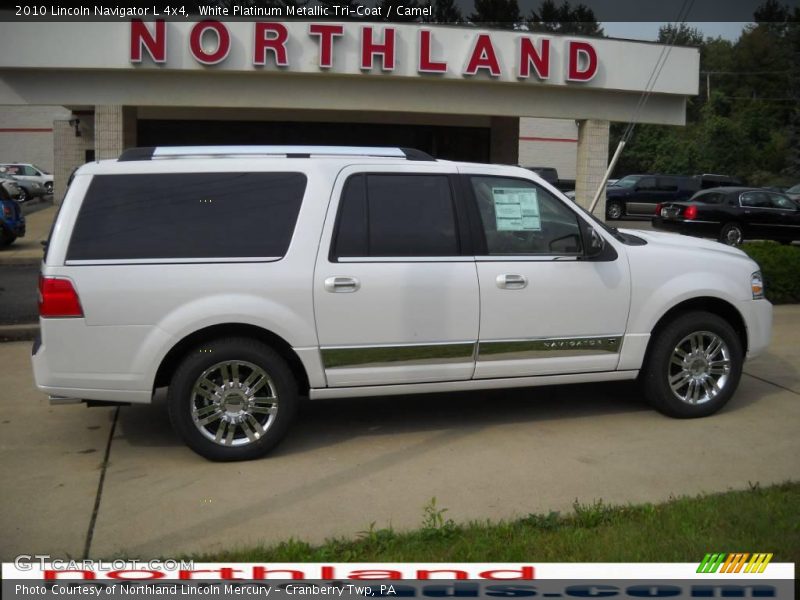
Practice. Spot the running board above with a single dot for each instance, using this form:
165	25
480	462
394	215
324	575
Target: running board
467	385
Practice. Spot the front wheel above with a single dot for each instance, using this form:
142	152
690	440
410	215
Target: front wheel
731	234
232	399
614	211
693	366
48	187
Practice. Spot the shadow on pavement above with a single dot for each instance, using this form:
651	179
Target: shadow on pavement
326	423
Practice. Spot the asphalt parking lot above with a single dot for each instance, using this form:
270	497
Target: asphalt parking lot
348	464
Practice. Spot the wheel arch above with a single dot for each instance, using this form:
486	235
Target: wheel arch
174	356
717	306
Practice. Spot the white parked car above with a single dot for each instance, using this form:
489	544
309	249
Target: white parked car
244	278
30	172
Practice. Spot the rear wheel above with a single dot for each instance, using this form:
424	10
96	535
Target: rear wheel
731	234
232	399
614	211
23	195
693	366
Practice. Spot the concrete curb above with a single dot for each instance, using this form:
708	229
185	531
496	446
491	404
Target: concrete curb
17	261
18	333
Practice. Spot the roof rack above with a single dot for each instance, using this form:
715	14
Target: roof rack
173	152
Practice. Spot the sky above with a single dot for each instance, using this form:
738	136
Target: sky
649	30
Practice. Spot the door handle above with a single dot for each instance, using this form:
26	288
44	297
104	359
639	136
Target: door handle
511	281
342	284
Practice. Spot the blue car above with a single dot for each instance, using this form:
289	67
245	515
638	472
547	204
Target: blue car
12	221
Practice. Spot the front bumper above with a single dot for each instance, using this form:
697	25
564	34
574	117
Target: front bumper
758	319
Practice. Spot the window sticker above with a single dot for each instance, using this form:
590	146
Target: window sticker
516	209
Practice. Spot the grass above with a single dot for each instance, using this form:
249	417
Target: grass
681	530
780	266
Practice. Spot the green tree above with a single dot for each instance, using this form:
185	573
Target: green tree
496	13
445	11
564	18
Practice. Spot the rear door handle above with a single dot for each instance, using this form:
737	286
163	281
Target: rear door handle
511	281
342	284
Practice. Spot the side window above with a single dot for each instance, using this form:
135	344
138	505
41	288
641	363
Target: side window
710	198
519	217
27	170
646	184
755	200
396	215
667	184
187	216
782	202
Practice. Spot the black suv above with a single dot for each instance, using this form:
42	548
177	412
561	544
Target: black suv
637	195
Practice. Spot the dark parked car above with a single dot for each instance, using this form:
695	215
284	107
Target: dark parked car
733	214
12	222
637	195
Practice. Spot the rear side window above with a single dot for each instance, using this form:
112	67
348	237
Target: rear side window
710	198
396	215
187	216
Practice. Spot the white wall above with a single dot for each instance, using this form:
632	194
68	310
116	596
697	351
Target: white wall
549	143
26	145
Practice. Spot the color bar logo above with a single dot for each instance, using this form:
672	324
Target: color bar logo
740	562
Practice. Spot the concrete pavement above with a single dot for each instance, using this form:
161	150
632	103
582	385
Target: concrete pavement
347	464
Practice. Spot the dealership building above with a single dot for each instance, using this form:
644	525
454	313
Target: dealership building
78	91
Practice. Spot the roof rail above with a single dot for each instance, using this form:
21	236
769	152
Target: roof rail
172	152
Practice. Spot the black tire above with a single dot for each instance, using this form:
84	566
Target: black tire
614	211
658	370
182	399
6	239
23	195
48	187
731	234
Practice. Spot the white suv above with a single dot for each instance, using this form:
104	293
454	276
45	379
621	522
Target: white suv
245	278
30	172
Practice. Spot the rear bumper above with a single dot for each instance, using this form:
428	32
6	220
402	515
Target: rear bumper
687	227
15	228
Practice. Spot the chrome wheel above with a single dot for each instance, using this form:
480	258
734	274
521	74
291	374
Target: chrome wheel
234	403
48	187
699	368
614	210
732	236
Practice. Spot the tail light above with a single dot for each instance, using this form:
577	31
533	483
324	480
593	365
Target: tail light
658	210
58	298
7	211
690	212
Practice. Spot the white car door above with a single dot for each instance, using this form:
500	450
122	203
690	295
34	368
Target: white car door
545	308
395	288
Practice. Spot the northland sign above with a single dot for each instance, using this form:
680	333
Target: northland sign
272	43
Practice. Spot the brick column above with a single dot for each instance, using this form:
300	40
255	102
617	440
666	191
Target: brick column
592	163
69	151
115	130
504	144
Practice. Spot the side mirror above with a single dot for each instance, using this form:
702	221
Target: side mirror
596	243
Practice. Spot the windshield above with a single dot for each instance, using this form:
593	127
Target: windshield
627	182
795	189
40	169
